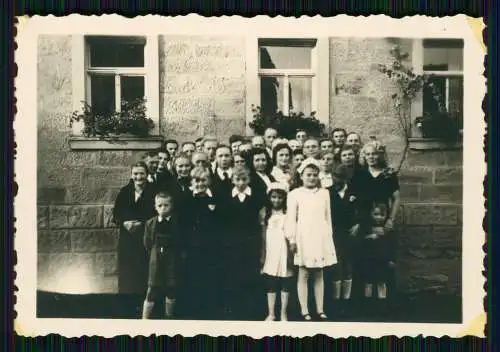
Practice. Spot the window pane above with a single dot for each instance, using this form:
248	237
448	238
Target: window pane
132	88
102	90
285	57
434	98
443	59
300	94
115	52
271	94
449	94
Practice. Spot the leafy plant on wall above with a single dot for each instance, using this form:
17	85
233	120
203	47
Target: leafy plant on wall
409	84
131	119
286	126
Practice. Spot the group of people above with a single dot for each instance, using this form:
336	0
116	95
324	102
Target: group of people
220	226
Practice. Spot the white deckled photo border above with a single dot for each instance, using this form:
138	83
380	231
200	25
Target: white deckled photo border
474	166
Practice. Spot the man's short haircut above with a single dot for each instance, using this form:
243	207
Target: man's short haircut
164	195
209	139
221	146
151	154
188	142
235	138
170	141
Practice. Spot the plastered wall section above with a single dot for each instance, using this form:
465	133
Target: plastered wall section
202	86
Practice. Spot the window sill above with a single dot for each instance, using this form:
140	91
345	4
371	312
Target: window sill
115	143
433	144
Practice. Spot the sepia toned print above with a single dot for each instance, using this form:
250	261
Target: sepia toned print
302	183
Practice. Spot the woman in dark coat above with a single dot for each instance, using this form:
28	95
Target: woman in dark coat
134	205
242	246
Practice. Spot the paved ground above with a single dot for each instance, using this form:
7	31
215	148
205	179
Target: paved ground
420	308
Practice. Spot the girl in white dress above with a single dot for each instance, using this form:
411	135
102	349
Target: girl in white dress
308	228
277	268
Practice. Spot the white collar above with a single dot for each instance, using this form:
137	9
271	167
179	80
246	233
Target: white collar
221	172
247	191
208	192
160	219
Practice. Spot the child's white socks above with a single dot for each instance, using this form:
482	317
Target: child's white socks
368	290
271	304
284	306
169	307
337	289
382	290
346	289
147	309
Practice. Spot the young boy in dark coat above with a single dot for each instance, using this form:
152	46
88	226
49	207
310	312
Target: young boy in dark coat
221	179
242	248
163	243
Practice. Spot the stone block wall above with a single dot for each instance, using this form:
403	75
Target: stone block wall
202	91
430	238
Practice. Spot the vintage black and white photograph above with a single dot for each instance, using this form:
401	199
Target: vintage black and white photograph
268	174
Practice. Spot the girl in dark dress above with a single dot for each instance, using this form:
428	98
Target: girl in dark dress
202	266
376	183
163	243
242	244
180	182
261	167
134	205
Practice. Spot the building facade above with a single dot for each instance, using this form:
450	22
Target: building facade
200	85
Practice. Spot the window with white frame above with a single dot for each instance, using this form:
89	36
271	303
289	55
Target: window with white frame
287	71
443	62
110	70
115	72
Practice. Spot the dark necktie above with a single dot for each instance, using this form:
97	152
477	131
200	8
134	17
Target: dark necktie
225	175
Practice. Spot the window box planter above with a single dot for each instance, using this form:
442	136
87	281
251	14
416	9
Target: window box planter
121	142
